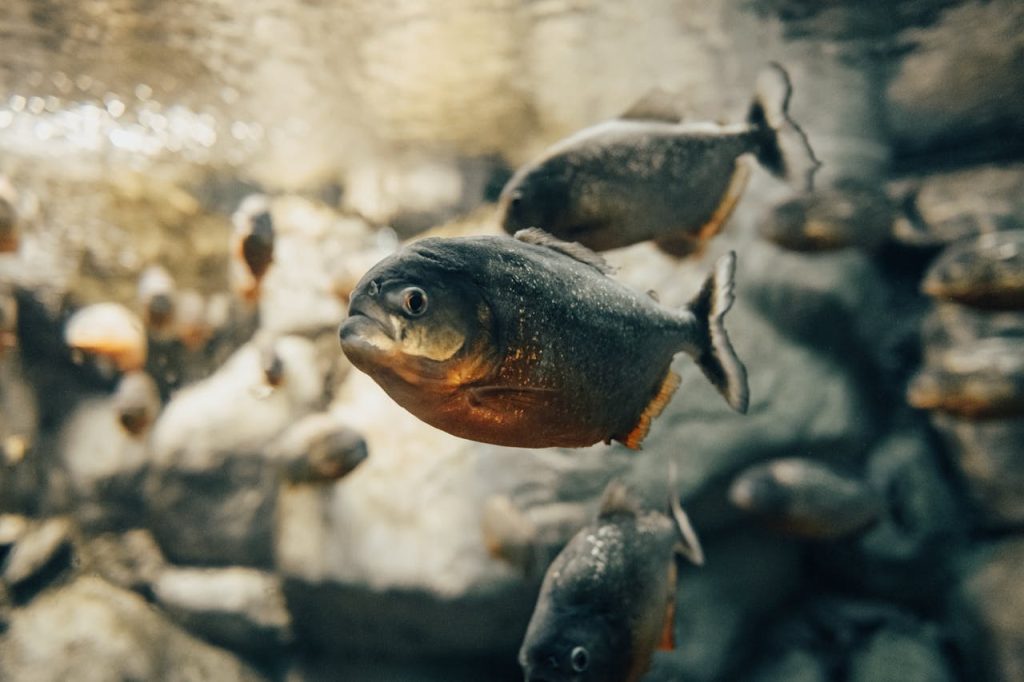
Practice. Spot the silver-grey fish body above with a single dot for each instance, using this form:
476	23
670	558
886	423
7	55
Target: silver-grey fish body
623	182
610	591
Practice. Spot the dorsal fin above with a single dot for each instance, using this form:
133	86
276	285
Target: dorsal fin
657	104
617	499
574	250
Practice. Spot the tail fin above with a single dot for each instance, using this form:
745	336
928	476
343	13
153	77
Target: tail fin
714	354
783	148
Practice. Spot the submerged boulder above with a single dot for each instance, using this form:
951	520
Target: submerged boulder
91	631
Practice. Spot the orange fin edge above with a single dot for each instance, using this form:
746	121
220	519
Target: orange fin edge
737	185
657	405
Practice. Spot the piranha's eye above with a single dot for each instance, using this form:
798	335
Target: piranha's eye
372	288
414	300
580	659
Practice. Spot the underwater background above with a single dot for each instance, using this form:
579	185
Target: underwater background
281	518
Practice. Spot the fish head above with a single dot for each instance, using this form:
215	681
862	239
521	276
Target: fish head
574	650
535	196
415	318
759	491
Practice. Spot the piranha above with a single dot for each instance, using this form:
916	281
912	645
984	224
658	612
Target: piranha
253	245
984	272
156	293
136	402
849	214
528	342
648	176
607	601
805	498
979	380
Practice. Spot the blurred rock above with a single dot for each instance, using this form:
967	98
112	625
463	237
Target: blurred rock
105	465
241	609
989	612
90	631
960	80
891	654
131	560
794	665
530	539
945	207
990	456
41	554
720	607
908	555
210	491
984	272
318	449
19	428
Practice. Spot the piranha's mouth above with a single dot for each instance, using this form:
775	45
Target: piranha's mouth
363	334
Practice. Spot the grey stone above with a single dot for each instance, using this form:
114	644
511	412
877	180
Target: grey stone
211	490
238	608
960	79
908	554
43	551
894	656
988	612
131	560
105	465
794	665
720	606
989	454
93	632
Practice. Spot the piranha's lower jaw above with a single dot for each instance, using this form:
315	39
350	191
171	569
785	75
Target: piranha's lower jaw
364	338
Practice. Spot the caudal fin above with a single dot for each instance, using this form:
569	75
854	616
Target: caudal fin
783	148
714	354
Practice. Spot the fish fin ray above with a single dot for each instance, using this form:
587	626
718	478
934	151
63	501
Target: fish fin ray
715	355
783	147
657	104
636	436
737	184
574	250
487	396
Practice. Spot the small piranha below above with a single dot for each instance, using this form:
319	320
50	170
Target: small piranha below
252	245
528	342
136	402
156	298
984	272
319	449
608	599
949	324
649	176
10	230
980	380
805	498
109	331
848	214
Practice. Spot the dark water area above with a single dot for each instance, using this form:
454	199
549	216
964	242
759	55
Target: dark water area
197	484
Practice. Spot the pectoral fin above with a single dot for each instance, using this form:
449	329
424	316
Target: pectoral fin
668	630
505	398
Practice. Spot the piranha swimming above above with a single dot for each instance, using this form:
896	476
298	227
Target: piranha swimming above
528	342
648	175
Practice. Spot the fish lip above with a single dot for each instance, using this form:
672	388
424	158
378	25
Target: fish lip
357	317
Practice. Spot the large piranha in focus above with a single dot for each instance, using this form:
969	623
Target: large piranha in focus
528	342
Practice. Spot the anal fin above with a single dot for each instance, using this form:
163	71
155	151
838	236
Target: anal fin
737	185
636	436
